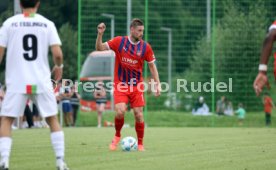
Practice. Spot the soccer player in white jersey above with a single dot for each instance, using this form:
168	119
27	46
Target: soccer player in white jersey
27	37
261	78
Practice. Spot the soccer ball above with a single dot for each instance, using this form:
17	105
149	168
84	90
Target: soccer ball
129	144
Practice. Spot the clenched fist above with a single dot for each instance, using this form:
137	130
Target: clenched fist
101	28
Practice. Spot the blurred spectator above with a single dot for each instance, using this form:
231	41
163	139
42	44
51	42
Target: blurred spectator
221	106
75	101
241	113
108	124
28	116
229	111
100	96
65	95
39	122
268	105
31	118
200	107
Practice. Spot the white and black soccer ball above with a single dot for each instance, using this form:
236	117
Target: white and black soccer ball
129	144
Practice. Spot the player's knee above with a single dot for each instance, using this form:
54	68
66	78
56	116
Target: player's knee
120	109
52	120
120	113
138	111
53	123
139	117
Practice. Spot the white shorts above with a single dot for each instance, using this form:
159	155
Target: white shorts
14	104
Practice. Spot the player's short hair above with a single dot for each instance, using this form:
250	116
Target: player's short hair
28	3
136	22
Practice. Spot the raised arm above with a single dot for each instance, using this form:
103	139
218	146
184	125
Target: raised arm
100	46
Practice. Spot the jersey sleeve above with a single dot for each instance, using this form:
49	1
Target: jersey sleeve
4	35
273	26
149	56
53	36
114	43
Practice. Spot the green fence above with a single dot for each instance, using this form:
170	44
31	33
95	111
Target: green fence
211	41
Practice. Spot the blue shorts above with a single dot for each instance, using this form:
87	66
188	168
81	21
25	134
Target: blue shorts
66	107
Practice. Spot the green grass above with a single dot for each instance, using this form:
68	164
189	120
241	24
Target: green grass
180	119
166	149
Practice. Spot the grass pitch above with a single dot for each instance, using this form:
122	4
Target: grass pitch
180	119
166	149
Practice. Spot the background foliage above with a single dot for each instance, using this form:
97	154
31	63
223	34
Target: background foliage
239	31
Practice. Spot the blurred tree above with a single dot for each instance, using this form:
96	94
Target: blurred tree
69	47
60	11
4	4
238	40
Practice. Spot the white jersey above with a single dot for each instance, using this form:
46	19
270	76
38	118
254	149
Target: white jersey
27	40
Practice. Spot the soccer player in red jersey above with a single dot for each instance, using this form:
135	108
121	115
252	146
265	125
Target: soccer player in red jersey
261	79
131	52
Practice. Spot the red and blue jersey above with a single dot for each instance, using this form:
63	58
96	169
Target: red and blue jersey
129	59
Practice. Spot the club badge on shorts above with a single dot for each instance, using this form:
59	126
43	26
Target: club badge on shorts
31	89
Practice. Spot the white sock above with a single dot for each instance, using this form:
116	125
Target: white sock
57	139
5	148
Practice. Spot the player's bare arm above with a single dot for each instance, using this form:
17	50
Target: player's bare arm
58	61
261	79
155	76
100	46
267	46
2	52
